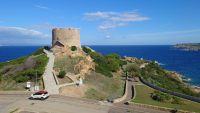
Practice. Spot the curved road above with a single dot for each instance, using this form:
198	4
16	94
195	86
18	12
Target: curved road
122	108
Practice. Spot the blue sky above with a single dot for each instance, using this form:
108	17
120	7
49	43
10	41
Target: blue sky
102	22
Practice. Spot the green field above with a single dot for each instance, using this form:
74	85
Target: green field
143	96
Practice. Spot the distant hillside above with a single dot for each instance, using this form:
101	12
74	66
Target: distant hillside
189	46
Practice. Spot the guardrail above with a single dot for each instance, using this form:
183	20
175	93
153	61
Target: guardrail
192	98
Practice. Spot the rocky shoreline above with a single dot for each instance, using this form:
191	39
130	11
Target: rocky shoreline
189	46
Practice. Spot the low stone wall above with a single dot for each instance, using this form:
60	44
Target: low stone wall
55	77
67	84
195	99
125	94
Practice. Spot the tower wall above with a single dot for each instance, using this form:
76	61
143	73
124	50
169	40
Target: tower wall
66	36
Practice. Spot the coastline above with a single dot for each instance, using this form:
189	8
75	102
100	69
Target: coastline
132	51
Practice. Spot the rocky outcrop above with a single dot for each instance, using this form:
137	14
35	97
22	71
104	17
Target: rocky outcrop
82	67
175	76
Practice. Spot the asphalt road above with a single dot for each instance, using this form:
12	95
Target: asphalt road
54	104
63	104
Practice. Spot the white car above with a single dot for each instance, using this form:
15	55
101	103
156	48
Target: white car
40	95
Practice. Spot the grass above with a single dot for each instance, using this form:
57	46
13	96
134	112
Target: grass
13	62
64	80
143	96
103	87
17	81
67	64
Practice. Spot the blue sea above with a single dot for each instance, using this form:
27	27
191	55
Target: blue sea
186	63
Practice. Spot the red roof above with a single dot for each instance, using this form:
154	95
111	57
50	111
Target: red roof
42	92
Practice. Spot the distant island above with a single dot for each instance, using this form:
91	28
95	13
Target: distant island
189	46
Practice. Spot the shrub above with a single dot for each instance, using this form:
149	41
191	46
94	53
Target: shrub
38	51
177	100
73	48
162	97
86	49
62	74
47	47
21	78
133	70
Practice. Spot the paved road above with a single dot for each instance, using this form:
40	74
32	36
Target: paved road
54	104
63	104
49	81
122	108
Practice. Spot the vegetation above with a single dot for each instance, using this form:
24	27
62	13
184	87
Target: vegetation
144	96
105	64
13	62
66	63
86	49
133	70
105	89
24	70
73	48
38	51
61	74
30	74
164	97
154	74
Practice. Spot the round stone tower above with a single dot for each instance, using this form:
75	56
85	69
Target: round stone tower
66	37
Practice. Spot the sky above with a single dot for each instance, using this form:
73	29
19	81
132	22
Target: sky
101	22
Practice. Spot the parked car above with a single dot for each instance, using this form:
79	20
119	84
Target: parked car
40	95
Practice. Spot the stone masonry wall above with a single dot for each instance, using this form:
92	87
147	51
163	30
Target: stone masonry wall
66	36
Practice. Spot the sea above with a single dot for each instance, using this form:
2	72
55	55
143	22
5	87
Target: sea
186	63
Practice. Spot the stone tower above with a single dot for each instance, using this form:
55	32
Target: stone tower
66	37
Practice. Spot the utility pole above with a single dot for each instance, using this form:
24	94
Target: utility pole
36	79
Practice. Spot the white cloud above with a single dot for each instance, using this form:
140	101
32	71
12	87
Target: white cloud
41	7
22	36
115	19
108	36
109	25
22	32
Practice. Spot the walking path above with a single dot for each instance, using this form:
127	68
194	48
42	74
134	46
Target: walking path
48	78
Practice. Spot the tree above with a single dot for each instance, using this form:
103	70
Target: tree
133	70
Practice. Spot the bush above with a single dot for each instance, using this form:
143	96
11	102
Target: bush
162	97
62	74
39	51
21	78
86	49
177	100
73	48
133	70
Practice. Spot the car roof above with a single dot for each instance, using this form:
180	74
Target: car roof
42	92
